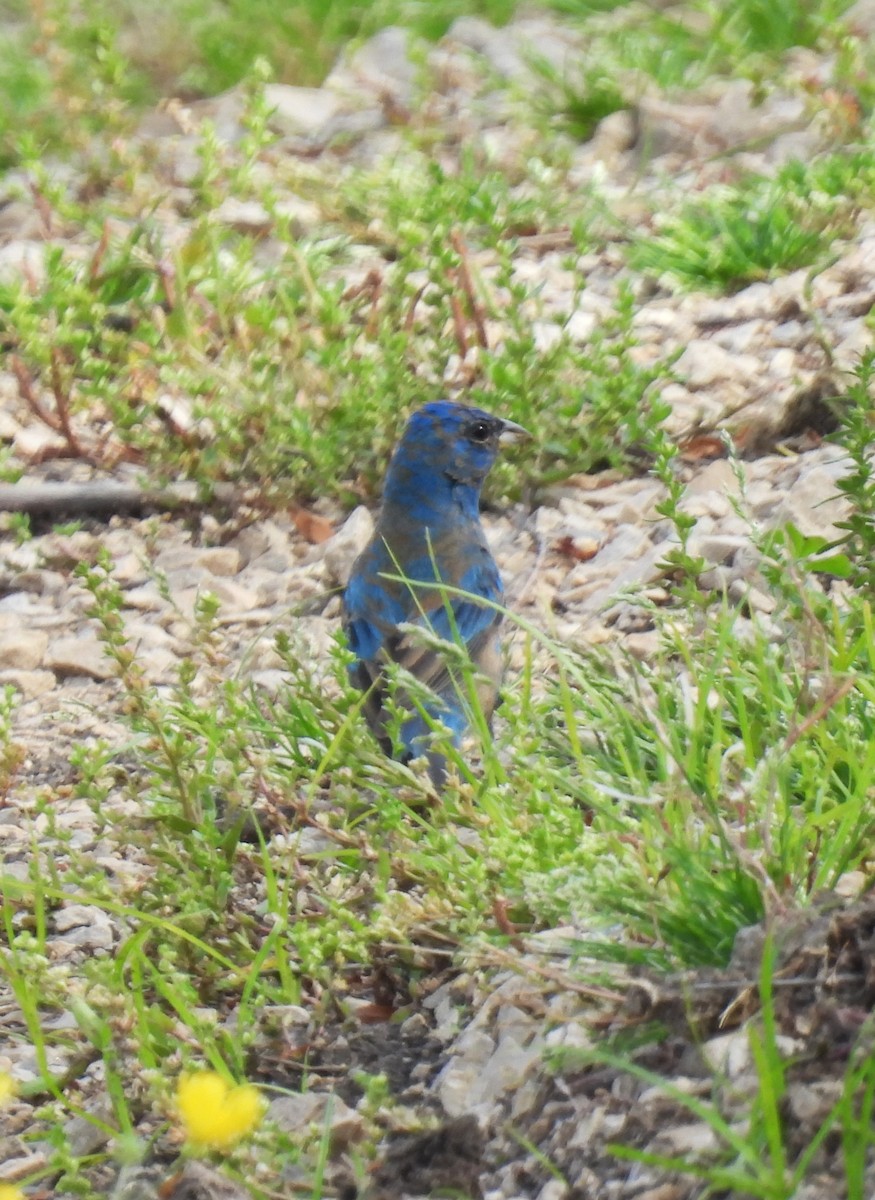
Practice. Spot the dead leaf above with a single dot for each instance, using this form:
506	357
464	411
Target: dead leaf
315	528
702	446
374	1014
571	549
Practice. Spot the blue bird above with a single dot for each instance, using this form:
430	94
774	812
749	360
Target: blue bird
429	531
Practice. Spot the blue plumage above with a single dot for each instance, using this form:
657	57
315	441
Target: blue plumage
429	531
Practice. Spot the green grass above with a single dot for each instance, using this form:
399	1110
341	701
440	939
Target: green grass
632	46
733	236
670	803
752	1151
67	59
73	66
261	357
660	805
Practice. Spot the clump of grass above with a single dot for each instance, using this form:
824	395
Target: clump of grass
577	104
716	791
674	49
769	29
856	412
847	174
730	238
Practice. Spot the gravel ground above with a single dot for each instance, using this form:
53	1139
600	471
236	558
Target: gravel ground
759	364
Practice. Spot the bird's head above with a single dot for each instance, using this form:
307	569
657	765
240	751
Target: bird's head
454	441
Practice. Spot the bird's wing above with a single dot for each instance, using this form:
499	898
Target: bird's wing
451	618
375	607
372	607
370	615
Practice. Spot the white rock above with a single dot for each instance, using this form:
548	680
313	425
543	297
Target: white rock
694	1141
730	1054
381	66
302	216
782	362
856	340
458	1084
704	362
740	338
809	1102
72	915
580	325
570	1037
496	45
128	569
145	598
554	1189
87	1134
246	216
31	684
22	649
546	335
237	601
83	655
813	504
743	592
33	442
296	1113
715	547
628	545
302	111
341	550
83	925
220	560
714	477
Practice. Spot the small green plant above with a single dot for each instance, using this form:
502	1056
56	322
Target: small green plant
730	238
212	368
744	37
577	105
18	525
856	412
762	28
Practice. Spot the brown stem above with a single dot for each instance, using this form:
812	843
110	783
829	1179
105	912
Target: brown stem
411	310
29	394
478	316
62	408
98	255
459	326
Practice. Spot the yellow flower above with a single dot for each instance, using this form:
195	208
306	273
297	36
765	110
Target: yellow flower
215	1114
8	1089
9	1192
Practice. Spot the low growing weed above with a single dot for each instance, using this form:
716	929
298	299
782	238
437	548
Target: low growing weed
202	362
675	49
728	239
278	855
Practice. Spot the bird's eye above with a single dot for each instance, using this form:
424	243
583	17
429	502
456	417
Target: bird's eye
479	431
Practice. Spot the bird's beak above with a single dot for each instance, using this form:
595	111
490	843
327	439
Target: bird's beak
511	432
